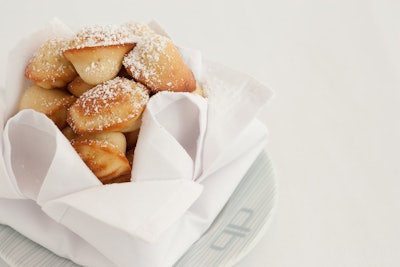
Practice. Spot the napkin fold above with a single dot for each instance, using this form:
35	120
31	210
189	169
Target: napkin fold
44	167
171	137
191	154
42	164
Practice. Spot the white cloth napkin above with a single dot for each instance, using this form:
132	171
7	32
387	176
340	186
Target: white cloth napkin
191	154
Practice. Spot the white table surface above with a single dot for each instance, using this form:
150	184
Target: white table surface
334	122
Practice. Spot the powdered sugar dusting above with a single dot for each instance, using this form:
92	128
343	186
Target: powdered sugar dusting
94	142
49	105
218	91
102	35
138	29
49	59
111	93
143	60
104	102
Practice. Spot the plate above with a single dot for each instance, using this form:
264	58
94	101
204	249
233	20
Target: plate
237	229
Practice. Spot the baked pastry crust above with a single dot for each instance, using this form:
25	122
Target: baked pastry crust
48	68
78	86
115	105
111	72
97	52
138	29
104	154
53	103
156	62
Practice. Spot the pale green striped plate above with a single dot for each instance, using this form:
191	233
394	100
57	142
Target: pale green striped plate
236	230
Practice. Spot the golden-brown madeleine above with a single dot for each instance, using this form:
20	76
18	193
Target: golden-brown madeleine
104	154
97	52
78	86
155	61
138	29
48	68
53	103
114	106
